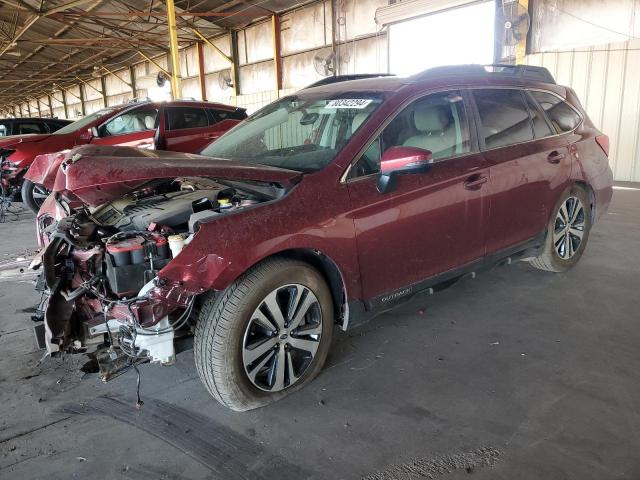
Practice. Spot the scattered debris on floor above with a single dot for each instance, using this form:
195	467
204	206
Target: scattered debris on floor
422	467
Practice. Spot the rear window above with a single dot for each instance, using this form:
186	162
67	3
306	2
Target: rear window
5	129
186	117
504	116
562	116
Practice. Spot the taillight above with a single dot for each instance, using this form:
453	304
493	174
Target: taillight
603	141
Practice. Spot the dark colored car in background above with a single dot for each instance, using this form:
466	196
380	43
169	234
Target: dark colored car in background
325	207
180	126
27	126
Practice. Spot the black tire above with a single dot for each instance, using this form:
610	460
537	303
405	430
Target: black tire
549	258
29	195
224	318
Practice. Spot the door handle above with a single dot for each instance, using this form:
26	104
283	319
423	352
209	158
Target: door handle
555	157
475	182
213	135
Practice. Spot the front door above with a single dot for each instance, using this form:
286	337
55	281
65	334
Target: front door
134	128
428	223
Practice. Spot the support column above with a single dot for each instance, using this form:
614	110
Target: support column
38	105
176	78
50	106
235	66
82	106
103	87
521	47
64	104
277	58
203	85
132	75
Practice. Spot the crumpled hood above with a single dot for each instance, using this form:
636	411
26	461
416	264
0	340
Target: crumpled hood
44	168
98	174
12	140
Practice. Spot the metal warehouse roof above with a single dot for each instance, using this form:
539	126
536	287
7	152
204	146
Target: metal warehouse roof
47	41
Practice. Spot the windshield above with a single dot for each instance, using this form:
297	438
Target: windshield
84	121
301	133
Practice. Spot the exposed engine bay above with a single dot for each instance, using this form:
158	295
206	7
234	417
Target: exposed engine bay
101	292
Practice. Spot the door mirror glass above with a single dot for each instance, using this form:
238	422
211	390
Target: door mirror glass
402	160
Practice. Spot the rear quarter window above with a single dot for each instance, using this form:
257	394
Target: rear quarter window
560	114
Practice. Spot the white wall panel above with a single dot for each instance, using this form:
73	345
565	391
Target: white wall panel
91	93
257	77
115	85
93	106
258	42
213	61
304	29
191	88
59	112
607	81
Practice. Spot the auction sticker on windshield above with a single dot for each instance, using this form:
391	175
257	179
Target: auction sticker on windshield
348	103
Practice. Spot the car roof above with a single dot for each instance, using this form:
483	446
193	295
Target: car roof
44	119
461	76
174	103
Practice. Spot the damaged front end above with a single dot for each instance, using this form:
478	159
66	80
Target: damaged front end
103	292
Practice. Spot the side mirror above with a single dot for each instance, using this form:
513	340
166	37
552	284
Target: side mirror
94	132
402	160
88	134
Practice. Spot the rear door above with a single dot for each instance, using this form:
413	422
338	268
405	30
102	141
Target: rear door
529	165
133	128
187	129
430	222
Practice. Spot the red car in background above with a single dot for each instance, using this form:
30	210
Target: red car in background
179	126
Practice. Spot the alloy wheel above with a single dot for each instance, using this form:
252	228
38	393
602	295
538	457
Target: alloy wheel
282	338
39	194
569	228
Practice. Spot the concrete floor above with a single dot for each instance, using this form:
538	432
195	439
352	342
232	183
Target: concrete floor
518	374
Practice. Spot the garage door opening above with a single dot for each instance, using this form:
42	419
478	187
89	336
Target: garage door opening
458	36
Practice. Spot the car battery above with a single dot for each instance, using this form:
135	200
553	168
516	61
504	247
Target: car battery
131	251
133	261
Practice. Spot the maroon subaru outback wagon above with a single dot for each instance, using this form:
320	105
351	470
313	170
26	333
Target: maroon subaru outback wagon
323	208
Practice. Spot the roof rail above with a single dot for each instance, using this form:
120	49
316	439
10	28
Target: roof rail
528	72
345	78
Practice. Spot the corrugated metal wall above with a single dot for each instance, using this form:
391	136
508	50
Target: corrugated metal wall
607	81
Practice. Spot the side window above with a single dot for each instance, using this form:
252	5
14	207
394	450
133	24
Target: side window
216	116
186	117
436	122
137	120
541	128
30	127
504	117
562	116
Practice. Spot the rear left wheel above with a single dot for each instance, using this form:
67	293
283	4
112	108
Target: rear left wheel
567	233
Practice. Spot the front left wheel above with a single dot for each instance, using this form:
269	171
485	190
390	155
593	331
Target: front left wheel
266	335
